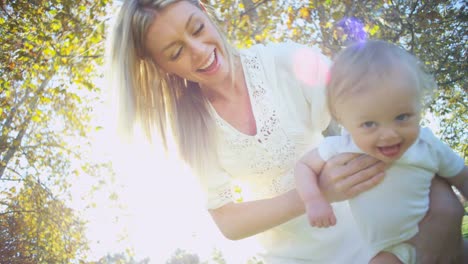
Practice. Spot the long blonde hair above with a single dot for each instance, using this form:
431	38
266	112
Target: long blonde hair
157	101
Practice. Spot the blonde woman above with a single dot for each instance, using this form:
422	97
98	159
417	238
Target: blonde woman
249	115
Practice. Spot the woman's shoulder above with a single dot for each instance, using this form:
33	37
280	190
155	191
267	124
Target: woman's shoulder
291	55
282	49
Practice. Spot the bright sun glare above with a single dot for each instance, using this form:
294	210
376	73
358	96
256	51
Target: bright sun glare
162	205
164	208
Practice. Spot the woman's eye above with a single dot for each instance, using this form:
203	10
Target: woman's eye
402	117
368	124
177	54
199	29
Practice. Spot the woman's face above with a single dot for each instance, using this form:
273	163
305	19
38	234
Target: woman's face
182	40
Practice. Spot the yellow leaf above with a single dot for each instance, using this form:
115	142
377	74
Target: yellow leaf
296	32
36	118
374	30
28	46
304	13
49	52
45	100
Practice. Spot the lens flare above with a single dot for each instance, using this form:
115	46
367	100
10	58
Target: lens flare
353	29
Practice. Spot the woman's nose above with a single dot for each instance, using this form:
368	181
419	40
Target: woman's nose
197	49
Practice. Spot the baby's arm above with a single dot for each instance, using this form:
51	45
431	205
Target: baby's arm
318	209
461	181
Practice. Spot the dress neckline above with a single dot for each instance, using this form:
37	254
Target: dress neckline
253	107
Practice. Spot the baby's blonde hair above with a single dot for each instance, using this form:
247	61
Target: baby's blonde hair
158	101
370	64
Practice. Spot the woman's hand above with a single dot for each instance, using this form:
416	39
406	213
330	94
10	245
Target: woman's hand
439	239
346	175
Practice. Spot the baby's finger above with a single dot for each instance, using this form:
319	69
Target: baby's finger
316	223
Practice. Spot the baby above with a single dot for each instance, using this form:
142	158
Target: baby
376	93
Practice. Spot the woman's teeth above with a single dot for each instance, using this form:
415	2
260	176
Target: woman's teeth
209	62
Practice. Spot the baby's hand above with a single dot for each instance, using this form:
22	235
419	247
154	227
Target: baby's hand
320	213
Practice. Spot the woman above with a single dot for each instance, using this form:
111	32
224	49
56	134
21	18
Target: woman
247	116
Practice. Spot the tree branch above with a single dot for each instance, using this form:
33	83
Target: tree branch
18	212
452	81
17	141
252	7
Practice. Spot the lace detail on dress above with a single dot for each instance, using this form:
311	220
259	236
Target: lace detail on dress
225	194
281	184
266	157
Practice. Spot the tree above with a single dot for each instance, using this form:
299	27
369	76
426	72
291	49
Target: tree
435	31
49	54
34	228
120	258
180	256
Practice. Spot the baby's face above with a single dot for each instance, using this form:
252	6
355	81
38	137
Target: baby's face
383	121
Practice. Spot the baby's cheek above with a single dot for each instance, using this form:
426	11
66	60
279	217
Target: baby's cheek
363	142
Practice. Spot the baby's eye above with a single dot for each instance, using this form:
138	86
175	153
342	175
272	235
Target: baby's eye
369	124
403	117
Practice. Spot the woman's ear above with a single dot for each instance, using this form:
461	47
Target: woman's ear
202	6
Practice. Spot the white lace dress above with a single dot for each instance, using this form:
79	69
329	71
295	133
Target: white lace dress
286	88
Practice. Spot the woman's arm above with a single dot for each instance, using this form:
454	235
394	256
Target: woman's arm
241	220
460	181
342	177
439	239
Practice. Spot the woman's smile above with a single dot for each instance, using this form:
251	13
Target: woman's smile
211	65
